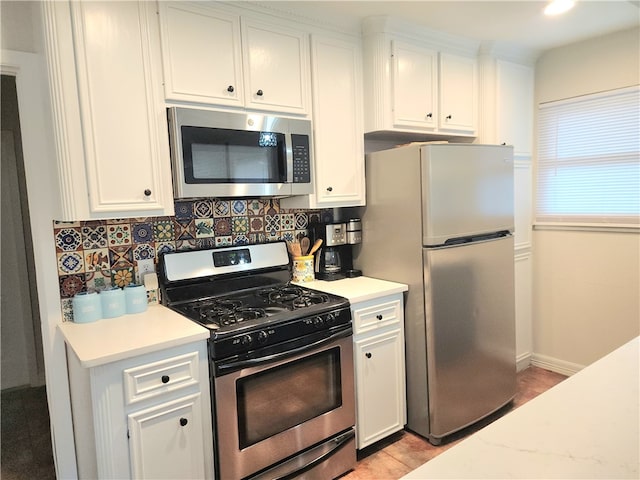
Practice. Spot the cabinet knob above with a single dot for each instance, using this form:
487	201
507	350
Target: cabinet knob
147	193
259	93
448	117
230	89
368	355
379	317
504	143
429	115
183	421
165	379
329	189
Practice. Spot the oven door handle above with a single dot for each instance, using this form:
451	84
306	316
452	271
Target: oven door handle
252	362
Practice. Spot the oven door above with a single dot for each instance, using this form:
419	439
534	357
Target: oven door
277	408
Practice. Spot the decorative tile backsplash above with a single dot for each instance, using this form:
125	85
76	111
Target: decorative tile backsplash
93	255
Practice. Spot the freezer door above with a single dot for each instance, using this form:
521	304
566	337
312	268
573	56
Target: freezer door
470	323
467	190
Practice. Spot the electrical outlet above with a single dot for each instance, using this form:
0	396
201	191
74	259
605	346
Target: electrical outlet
144	266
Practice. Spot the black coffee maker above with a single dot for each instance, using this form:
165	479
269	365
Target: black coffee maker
334	259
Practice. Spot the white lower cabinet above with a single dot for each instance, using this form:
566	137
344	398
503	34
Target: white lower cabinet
379	368
144	417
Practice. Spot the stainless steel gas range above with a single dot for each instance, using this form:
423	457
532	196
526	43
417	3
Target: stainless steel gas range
280	358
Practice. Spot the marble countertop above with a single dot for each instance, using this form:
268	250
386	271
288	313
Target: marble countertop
112	339
357	289
585	427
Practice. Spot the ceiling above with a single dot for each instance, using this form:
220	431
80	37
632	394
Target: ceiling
520	24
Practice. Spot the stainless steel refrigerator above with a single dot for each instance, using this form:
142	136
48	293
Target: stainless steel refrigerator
439	217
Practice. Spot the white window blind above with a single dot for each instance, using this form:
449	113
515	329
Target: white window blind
588	163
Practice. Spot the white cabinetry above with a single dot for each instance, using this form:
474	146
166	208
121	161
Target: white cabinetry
110	121
144	417
514	106
217	57
380	369
337	120
417	85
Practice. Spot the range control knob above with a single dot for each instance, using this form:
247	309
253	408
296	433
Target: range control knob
331	319
246	340
262	337
318	322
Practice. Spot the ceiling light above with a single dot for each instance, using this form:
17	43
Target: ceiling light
556	7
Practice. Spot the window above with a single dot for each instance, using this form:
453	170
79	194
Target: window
588	166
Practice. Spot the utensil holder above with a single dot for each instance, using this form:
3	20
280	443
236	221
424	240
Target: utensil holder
303	269
86	307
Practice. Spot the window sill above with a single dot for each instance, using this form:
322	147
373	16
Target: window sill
587	227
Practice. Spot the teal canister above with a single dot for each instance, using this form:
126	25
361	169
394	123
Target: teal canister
135	298
113	302
86	307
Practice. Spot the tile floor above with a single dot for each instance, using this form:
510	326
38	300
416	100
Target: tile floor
26	440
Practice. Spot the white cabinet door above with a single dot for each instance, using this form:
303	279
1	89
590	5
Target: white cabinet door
276	66
202	55
338	130
111	131
458	93
415	81
514	106
166	441
380	386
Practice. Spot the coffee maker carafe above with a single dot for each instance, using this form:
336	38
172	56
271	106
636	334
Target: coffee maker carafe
334	259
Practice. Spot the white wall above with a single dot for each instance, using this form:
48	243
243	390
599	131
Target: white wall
586	284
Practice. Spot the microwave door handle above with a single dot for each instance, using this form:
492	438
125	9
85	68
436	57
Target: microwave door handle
252	362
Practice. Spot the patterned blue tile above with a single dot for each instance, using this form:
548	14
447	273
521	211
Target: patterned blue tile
184	210
68	239
94	236
142	232
70	262
238	207
144	251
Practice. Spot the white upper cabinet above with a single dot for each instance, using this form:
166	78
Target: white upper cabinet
458	94
414	83
415	86
110	121
201	54
337	124
220	58
514	106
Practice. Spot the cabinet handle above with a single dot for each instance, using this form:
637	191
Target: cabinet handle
329	189
429	115
368	355
448	117
183	421
165	379
230	89
147	193
379	317
259	93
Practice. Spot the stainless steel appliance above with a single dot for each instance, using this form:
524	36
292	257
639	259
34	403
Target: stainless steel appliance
232	154
334	259
281	362
439	218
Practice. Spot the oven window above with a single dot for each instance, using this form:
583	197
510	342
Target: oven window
280	398
216	155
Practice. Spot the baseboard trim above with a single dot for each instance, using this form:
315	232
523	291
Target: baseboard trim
523	361
555	365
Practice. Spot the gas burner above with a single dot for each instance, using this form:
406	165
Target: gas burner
308	299
223	312
281	294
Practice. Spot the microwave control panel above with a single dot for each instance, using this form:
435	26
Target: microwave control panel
301	158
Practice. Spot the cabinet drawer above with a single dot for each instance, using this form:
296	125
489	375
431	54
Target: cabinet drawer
158	378
377	313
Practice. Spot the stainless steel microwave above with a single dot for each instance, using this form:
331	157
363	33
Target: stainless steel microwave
231	154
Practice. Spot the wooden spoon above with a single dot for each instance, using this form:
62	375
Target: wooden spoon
304	245
316	246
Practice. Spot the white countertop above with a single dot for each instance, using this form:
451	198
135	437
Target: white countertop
357	289
585	427
112	339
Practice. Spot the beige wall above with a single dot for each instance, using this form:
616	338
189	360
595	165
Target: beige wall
586	284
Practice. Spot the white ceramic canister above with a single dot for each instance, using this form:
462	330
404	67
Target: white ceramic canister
135	298
86	307
113	302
